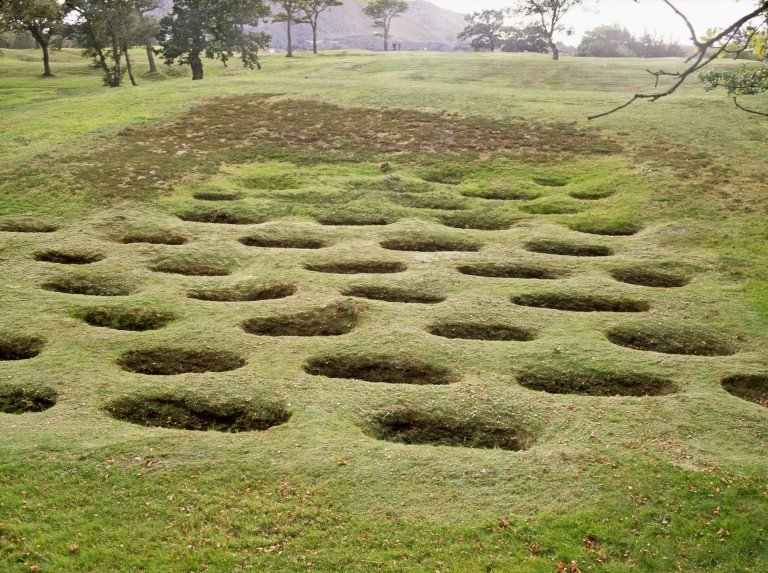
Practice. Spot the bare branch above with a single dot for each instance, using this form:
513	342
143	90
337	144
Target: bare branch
742	108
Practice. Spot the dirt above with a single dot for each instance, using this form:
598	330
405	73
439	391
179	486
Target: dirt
118	318
670	340
244	293
167	361
608	228
481	331
14	347
283	242
68	258
596	383
358	267
384	369
15	400
333	320
430	245
220	216
216	196
750	387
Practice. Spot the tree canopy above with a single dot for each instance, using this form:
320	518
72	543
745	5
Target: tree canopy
42	19
617	42
382	12
486	29
549	14
530	38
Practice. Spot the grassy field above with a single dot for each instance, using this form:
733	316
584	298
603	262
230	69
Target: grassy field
380	312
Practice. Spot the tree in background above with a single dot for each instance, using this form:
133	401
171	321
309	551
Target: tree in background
107	29
149	28
486	28
531	38
649	46
607	42
382	12
42	19
214	29
550	14
293	13
312	10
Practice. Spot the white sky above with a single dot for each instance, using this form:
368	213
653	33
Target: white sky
637	17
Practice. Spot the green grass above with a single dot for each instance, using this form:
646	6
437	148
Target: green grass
410	166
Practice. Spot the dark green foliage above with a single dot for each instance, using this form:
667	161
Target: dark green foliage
214	29
199	413
486	28
531	38
615	41
41	19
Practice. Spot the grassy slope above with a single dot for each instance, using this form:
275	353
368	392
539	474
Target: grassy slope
613	483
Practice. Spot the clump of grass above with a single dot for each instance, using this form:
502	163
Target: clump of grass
245	292
428	245
394	294
670	340
91	285
333	320
513	271
16	400
386	369
580	302
68	257
19	347
567	248
595	382
199	413
750	387
121	318
410	425
481	331
167	361
650	276
358	267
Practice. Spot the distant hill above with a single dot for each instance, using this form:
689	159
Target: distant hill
423	26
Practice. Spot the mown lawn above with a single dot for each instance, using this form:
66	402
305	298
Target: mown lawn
380	312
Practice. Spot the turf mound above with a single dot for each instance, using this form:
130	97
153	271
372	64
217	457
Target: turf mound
554	247
166	361
244	293
644	276
332	320
406	425
551	181
199	413
607	228
220	216
385	369
513	271
27	226
68	258
430	245
117	318
750	387
216	196
594	383
283	242
481	331
343	219
14	347
592	194
358	267
477	221
393	294
436	201
670	340
553	207
153	238
90	285
24	400
190	267
580	303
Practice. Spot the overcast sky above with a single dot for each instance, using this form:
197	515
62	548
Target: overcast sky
650	15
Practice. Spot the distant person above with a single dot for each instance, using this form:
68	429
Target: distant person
394	46
399	46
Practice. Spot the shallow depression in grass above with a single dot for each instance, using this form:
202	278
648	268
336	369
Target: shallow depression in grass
580	302
68	257
358	267
120	318
394	294
481	331
670	340
555	247
221	216
15	400
296	242
243	292
332	320
385	369
190	267
27	226
216	196
167	361
159	237
513	271
90	285
199	413
595	383
430	245
17	347
651	277
750	387
408	425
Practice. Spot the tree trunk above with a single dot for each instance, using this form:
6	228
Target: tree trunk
151	59
197	65
555	51
386	38
129	67
314	37
46	61
290	46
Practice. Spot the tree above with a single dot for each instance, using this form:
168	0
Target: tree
312	11
530	38
107	29
382	12
708	49
649	46
486	28
212	28
607	42
149	28
550	14
293	11
42	19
